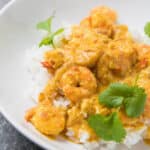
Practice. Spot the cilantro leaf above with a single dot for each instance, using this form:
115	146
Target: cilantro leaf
134	106
114	95
45	25
132	98
147	29
108	127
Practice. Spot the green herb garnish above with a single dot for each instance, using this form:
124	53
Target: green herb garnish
108	127
147	29
132	98
134	105
114	95
46	25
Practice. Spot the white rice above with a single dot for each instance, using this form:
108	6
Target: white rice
84	136
70	132
61	102
133	138
37	74
130	140
39	77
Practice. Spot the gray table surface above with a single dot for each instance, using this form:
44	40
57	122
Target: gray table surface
10	138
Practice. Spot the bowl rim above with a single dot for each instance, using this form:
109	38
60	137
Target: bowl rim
16	125
24	131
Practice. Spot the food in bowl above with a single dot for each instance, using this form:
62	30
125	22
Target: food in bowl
97	88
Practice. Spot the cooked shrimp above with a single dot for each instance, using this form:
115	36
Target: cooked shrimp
77	83
91	105
101	19
143	56
60	72
144	81
121	32
49	92
86	46
129	122
105	11
74	116
117	61
46	118
77	124
53	60
143	51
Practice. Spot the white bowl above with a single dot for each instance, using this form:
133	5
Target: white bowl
18	32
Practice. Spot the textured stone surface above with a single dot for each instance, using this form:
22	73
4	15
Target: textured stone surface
10	138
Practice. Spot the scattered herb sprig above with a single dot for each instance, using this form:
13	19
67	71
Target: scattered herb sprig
132	98
46	26
110	127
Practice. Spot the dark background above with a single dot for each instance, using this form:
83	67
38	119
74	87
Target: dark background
10	138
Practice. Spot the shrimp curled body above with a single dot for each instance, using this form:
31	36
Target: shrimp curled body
48	119
77	83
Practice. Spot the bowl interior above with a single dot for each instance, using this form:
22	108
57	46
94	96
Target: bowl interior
18	33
